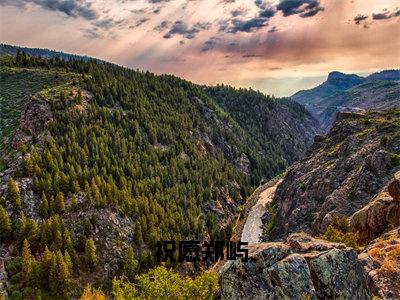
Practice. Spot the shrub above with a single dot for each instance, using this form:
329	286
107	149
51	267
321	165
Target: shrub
163	283
339	232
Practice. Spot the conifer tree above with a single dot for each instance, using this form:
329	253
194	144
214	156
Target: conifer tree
28	166
44	207
32	231
46	261
138	234
74	203
13	195
60	203
5	224
20	227
130	264
68	261
53	276
90	253
64	276
26	261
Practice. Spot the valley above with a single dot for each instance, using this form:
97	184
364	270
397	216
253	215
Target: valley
100	162
253	228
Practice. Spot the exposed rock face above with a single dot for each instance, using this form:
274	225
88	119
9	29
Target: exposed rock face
381	213
340	174
35	117
394	188
299	268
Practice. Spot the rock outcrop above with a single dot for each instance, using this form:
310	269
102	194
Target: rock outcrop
35	117
340	175
380	214
300	268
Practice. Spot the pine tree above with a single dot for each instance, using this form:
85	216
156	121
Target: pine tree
53	276
5	224
44	207
32	231
20	227
46	261
64	276
90	253
74	203
138	234
130	264
68	261
60	203
26	261
28	166
13	195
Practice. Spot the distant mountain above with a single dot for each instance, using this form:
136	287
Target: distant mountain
6	49
385	75
350	92
335	83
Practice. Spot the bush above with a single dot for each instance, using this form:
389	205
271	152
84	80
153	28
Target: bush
163	283
339	232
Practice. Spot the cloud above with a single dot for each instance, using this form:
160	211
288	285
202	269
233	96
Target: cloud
273	29
381	16
208	45
139	22
238	12
359	18
72	8
267	13
305	8
181	28
384	15
247	25
92	33
162	26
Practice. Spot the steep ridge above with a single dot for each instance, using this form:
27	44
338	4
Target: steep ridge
340	174
270	121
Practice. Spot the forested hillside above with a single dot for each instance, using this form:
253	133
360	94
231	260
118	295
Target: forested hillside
107	160
283	126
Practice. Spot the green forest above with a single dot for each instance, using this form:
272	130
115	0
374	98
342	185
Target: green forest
155	150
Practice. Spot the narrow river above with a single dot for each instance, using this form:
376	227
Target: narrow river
252	229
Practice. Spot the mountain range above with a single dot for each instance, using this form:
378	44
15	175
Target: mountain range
350	92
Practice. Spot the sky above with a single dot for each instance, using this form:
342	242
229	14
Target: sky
276	46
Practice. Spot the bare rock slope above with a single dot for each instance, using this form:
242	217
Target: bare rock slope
341	173
300	268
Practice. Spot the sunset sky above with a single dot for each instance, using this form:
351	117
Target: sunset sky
277	47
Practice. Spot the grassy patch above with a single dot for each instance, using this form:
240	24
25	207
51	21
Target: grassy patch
334	150
365	132
17	85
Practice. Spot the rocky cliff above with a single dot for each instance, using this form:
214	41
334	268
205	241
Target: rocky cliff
340	174
300	268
